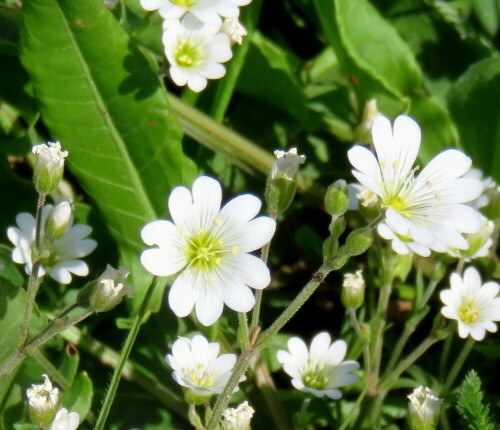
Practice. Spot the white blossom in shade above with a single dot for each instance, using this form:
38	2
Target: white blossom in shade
234	30
43	401
63	255
238	418
287	163
195	53
197	366
210	248
423	409
473	305
65	420
427	209
319	370
207	11
487	183
479	243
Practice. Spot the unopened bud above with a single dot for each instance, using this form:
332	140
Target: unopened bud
107	291
234	30
358	241
43	403
423	409
353	290
57	221
337	198
238	418
363	131
49	166
282	182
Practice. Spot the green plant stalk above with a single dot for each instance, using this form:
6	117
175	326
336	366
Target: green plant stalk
444	357
243	330
366	346
386	383
457	365
356	405
378	334
226	86
264	255
127	348
428	293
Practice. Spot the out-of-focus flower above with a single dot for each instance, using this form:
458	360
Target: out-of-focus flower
423	409
62	255
319	370
479	243
473	305
43	402
65	420
210	248
198	368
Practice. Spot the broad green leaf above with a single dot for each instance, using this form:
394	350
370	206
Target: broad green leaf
78	398
100	98
473	102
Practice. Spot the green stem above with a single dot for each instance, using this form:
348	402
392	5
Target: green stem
457	365
359	332
38	217
223	399
243	330
127	348
226	86
386	383
264	255
292	309
356	405
444	357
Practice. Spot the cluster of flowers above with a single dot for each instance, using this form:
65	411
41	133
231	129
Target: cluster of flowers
196	39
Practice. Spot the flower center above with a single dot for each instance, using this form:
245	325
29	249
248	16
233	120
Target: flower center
200	377
184	3
315	376
188	54
468	311
204	251
397	203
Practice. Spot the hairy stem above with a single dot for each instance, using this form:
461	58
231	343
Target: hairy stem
359	332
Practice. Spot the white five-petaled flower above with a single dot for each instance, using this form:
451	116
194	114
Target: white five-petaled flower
319	370
197	366
238	418
210	247
65	420
423	409
424	212
207	11
63	253
195	52
43	401
473	305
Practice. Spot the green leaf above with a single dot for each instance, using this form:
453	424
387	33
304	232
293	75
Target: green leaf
79	397
474	106
100	98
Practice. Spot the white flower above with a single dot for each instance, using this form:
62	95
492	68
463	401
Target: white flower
49	166
319	370
210	247
110	289
487	183
64	251
287	163
427	209
424	409
195	53
353	289
197	366
479	243
207	11
473	305
238	418
359	194
43	401
234	30
65	421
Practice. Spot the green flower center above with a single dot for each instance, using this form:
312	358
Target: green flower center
316	376
204	251
397	203
188	54
184	3
468	311
200	377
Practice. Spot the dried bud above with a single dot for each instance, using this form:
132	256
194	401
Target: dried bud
49	166
234	30
57	221
282	183
239	418
337	198
43	403
424	409
353	290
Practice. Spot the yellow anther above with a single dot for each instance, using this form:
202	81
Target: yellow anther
218	222
234	250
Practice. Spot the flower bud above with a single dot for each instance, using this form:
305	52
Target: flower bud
337	198
107	292
358	241
353	290
57	221
234	30
49	166
282	183
364	130
43	402
238	418
423	409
